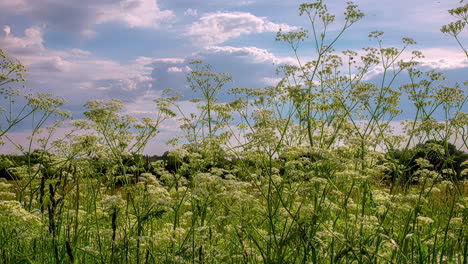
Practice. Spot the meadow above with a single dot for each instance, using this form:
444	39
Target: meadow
311	170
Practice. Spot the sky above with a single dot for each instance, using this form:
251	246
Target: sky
134	49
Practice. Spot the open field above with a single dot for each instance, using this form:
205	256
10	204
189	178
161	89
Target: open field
324	166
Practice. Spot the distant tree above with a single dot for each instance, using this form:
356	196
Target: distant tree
442	157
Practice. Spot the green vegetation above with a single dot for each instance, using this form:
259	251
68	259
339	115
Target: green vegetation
307	171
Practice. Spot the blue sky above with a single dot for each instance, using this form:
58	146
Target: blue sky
134	49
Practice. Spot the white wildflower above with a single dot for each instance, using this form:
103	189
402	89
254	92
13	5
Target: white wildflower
425	220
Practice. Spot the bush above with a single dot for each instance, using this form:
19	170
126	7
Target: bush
442	157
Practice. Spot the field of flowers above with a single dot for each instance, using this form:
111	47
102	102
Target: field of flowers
311	170
290	211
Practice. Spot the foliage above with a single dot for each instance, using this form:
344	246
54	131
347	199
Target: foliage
442	159
207	131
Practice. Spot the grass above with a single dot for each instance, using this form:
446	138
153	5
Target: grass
212	216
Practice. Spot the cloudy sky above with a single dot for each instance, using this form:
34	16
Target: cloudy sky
134	49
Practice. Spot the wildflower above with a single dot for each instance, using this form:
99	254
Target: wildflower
7	196
425	220
352	206
90	250
448	172
381	209
456	221
412	197
5	186
429	242
319	180
112	202
381	197
159	195
423	163
14	217
149	178
433	190
464	173
447	184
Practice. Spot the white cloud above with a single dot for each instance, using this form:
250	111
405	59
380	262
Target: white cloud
78	53
135	13
32	39
143	104
170	60
175	69
434	58
76	74
191	12
245	2
271	80
13	5
6	30
443	59
215	28
81	16
252	54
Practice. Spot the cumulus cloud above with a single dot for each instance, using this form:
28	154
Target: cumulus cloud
215	28
170	73
191	12
245	2
13	5
271	81
169	60
6	30
76	74
81	16
252	54
443	59
30	42
179	69
249	67
136	13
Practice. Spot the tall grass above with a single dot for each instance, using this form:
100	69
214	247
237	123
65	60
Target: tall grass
307	171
